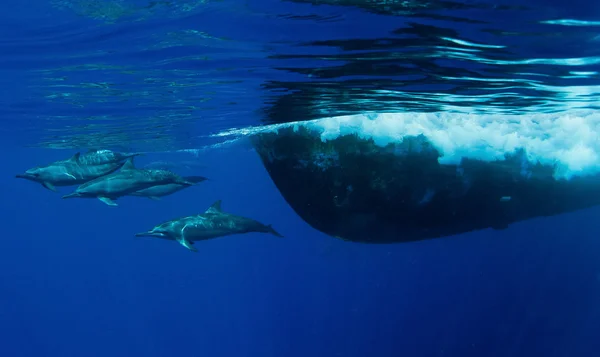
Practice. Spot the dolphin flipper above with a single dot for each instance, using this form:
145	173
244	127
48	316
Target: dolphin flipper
49	186
186	243
108	201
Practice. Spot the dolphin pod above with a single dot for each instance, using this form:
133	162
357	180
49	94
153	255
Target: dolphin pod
97	174
126	181
107	175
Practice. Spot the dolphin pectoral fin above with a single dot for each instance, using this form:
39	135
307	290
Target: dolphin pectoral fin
186	243
49	186
108	201
154	198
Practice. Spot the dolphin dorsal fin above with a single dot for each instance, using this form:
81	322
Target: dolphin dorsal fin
128	165
214	208
75	157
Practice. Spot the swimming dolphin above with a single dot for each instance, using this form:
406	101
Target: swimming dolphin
124	182
78	169
213	223
155	192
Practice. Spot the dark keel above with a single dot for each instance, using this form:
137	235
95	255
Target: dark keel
352	189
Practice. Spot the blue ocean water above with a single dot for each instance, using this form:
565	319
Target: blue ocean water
74	281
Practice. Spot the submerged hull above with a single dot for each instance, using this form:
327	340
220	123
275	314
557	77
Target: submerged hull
352	189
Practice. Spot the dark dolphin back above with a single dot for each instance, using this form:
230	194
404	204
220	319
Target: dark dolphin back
99	157
162	174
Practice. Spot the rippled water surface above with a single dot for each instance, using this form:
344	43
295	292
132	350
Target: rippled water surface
172	75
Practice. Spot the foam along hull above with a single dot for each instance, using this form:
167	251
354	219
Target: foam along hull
352	189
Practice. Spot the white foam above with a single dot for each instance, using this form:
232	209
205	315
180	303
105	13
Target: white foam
568	141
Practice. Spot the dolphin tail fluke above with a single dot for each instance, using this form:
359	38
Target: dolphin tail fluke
195	179
273	231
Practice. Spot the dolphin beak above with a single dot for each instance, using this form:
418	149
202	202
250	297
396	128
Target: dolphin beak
24	176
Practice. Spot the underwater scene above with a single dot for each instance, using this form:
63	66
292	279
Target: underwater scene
335	178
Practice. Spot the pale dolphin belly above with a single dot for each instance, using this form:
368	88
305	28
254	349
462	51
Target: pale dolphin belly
118	188
159	190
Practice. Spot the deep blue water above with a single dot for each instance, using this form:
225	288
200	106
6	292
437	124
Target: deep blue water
74	281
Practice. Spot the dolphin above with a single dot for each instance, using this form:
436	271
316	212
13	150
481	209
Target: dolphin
155	192
124	182
213	223
78	169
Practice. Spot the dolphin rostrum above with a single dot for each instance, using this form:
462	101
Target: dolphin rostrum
78	169
124	182
213	223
